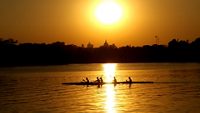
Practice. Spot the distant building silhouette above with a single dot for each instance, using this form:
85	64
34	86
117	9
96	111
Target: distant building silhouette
89	45
106	45
113	46
82	46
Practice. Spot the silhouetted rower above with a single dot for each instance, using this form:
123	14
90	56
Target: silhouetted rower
87	80
98	81
130	80
101	81
115	80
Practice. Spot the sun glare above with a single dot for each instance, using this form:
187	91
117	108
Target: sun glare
109	71
108	12
110	100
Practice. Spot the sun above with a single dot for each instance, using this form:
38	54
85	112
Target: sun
108	12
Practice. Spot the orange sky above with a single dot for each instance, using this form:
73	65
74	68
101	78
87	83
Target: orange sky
73	21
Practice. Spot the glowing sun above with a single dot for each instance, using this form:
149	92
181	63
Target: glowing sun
108	12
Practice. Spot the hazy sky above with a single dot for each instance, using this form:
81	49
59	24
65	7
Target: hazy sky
74	21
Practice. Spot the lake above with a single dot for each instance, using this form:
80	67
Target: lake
39	89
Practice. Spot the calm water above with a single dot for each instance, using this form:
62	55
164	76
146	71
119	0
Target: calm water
40	89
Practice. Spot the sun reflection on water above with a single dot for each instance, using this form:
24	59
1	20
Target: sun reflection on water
110	99
109	71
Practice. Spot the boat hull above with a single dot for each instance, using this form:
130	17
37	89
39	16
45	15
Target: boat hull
93	83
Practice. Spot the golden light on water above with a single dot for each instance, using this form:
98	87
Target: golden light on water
109	71
108	12
110	99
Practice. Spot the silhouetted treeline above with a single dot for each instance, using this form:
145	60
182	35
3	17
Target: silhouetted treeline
13	53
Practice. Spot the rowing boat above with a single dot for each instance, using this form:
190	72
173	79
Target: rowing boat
95	83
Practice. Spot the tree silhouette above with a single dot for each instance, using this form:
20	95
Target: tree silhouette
13	53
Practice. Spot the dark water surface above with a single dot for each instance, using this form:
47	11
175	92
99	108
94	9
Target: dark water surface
40	89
